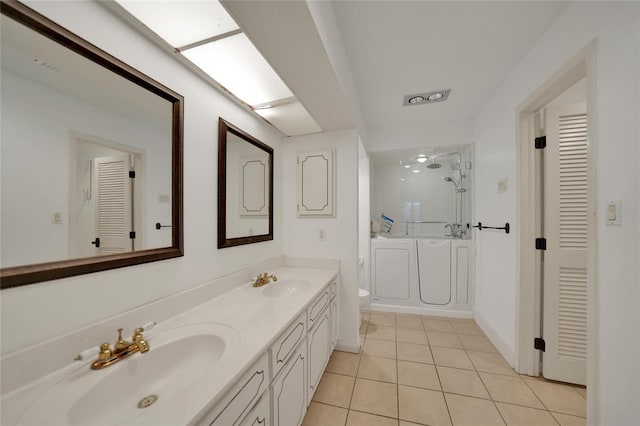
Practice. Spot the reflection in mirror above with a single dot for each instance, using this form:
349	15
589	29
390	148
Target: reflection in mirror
90	156
245	188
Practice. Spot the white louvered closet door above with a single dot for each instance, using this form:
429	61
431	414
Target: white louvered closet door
114	204
565	260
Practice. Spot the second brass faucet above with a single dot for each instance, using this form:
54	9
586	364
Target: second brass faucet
263	279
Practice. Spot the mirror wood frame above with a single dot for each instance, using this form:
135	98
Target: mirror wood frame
225	127
29	274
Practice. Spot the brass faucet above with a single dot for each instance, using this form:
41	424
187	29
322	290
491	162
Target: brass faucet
121	350
264	279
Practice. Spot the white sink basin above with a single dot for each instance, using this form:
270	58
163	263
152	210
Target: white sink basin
285	288
179	359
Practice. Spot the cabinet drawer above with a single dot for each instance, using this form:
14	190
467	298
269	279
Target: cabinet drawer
334	288
283	348
317	306
261	413
239	400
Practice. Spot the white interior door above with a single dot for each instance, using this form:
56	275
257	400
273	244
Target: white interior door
114	204
565	259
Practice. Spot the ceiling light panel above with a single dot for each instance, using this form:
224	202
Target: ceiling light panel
181	23
236	64
292	119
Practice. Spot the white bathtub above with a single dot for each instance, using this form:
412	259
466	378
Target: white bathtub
428	276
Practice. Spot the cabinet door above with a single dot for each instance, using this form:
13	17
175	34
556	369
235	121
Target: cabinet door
334	323
260	415
242	396
316	181
319	349
289	390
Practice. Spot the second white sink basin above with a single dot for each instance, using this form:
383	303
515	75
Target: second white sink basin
141	385
285	288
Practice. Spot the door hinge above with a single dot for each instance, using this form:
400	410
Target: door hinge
538	343
132	235
541	142
132	174
541	243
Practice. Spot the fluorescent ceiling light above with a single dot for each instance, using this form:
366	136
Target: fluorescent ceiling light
181	23
415	171
292	119
421	158
236	64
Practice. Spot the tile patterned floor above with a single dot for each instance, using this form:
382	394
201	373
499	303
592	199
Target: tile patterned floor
422	370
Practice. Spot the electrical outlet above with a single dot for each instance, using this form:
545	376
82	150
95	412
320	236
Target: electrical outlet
323	234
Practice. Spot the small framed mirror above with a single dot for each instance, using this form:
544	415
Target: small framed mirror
245	188
91	156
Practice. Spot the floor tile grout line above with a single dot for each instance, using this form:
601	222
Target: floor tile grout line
446	404
355	380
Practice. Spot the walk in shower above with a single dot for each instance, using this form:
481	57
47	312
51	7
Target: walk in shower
421	263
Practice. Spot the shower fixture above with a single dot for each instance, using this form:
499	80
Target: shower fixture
433	164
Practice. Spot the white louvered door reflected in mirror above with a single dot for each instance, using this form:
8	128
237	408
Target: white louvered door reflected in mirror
565	260
114	213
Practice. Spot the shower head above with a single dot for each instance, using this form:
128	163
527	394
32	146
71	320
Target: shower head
433	164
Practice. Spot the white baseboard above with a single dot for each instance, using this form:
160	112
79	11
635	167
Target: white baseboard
419	310
505	350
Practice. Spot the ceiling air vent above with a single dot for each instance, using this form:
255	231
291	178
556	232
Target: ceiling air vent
426	98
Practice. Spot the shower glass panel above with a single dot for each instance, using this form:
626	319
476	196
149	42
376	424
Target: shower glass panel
427	192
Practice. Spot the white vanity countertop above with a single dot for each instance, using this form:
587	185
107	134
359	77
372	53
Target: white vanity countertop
258	320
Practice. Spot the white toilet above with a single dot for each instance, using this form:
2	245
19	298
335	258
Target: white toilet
363	295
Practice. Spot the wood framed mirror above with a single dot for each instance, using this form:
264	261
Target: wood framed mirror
245	187
91	156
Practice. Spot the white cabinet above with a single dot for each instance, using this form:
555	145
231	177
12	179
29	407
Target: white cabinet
239	400
289	390
316	183
261	413
334	323
319	343
294	361
284	345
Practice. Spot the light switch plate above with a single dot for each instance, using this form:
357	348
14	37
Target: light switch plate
613	212
503	185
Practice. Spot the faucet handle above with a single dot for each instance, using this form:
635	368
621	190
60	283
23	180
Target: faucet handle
138	339
105	352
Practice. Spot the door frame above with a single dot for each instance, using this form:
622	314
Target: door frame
529	280
139	200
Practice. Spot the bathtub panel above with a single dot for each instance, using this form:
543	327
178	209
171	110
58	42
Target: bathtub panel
461	265
434	271
392	276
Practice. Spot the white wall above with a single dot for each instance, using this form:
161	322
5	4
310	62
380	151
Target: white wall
615	27
364	218
301	235
37	312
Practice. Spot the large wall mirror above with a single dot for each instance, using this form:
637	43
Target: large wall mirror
245	188
91	156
